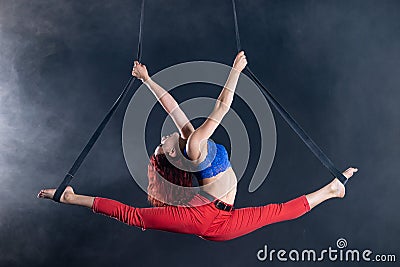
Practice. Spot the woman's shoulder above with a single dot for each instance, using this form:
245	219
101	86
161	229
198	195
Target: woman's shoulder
204	147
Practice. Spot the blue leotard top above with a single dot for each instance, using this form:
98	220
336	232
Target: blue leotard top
215	162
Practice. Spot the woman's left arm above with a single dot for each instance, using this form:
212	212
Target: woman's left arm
166	100
221	108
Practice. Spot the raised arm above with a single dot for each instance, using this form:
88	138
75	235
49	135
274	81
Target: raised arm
165	99
222	106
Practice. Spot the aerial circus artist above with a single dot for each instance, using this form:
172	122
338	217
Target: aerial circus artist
210	212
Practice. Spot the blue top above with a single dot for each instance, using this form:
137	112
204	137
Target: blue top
215	162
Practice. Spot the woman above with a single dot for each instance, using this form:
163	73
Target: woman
209	213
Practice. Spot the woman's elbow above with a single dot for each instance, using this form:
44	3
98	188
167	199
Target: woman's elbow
221	108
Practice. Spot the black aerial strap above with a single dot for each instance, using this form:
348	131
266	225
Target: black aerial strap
315	149
70	174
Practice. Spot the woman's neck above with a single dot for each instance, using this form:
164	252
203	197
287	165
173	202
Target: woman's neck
182	143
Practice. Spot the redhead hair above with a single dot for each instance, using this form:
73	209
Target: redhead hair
167	183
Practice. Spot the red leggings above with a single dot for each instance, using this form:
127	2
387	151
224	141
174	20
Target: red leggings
205	221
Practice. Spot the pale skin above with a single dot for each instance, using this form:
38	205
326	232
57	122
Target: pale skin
222	186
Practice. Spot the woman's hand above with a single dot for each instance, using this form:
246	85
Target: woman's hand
140	71
240	61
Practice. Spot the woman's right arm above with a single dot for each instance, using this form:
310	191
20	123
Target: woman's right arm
166	100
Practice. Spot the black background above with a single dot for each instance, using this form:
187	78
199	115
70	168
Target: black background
334	64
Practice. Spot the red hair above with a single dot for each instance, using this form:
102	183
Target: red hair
168	185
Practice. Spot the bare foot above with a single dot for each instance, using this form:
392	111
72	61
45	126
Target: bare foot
49	193
337	188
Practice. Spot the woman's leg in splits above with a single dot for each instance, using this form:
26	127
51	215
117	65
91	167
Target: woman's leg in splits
179	219
245	220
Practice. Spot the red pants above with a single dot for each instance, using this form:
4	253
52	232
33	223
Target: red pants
205	221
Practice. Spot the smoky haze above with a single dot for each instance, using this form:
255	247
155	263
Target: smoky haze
335	65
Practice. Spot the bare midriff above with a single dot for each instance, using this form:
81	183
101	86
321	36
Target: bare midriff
222	186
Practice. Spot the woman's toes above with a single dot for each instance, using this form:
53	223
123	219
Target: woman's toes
46	193
41	194
349	172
